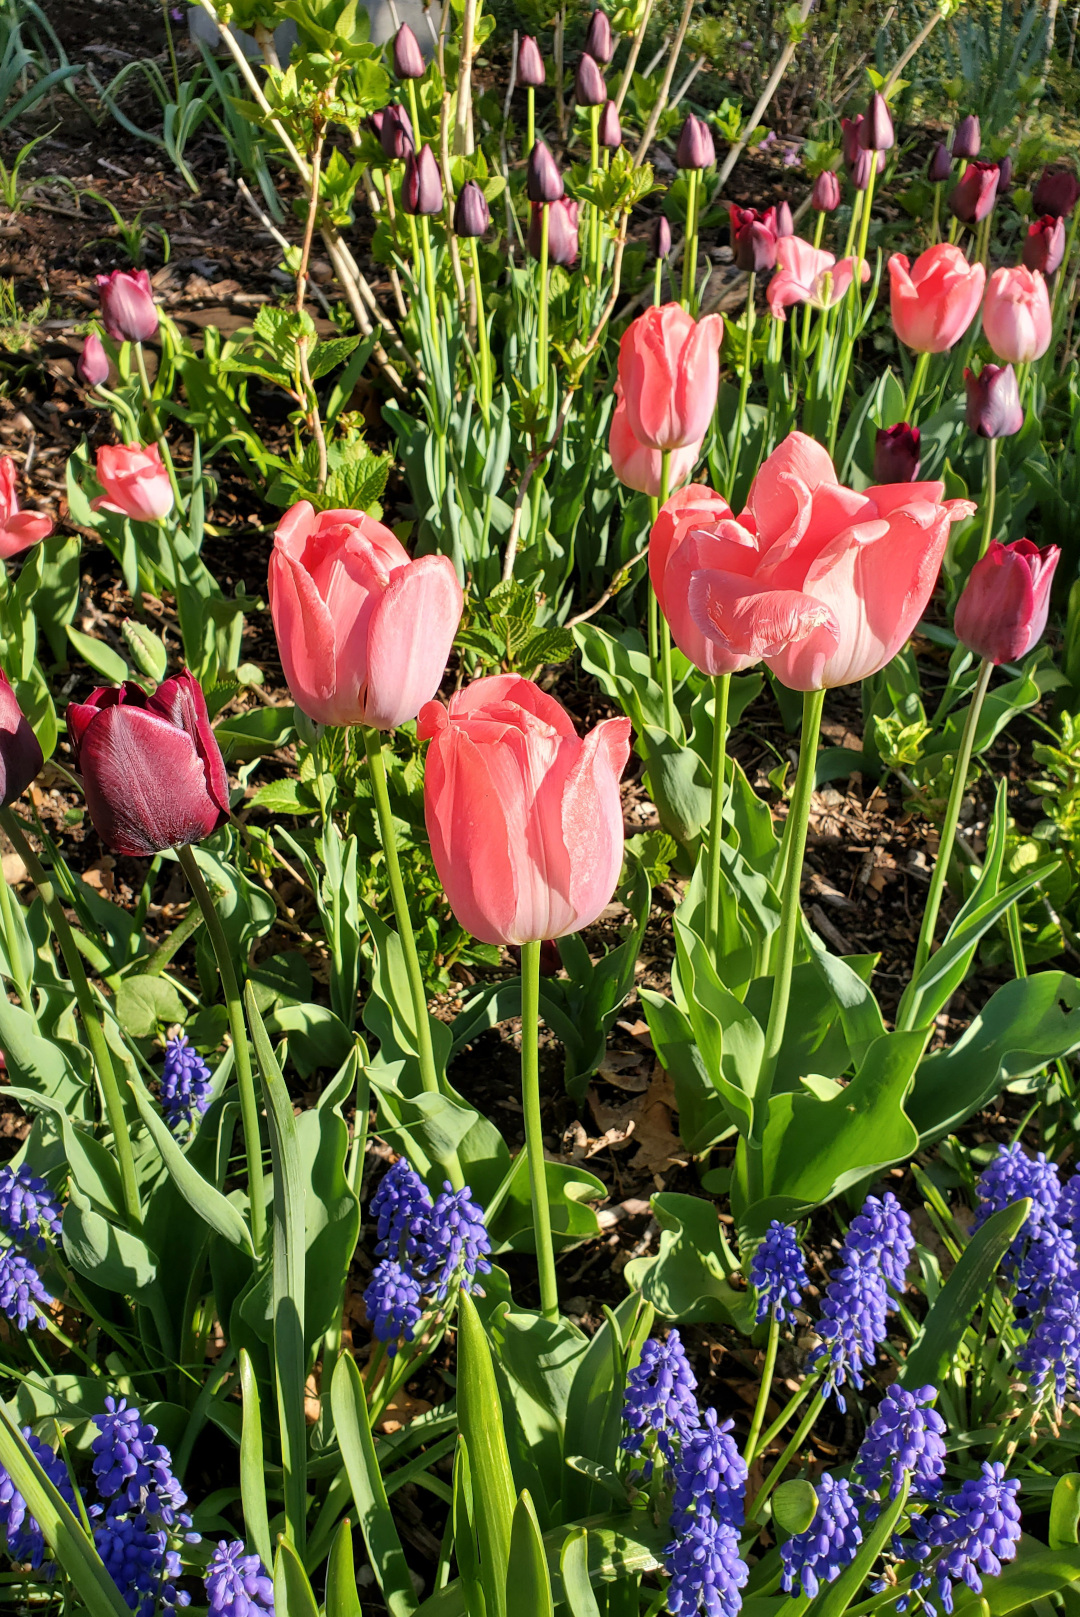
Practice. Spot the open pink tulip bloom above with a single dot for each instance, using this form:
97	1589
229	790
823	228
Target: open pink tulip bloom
18	529
524	816
364	633
820	582
934	300
669	367
805	274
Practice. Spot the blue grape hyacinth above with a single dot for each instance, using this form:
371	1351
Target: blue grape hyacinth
710	1474
1051	1355
23	1536
706	1571
829	1544
186	1084
456	1247
1011	1176
778	1273
969	1538
392	1300
660	1397
401	1208
135	1530
28	1211
905	1439
874	1256
23	1297
237	1584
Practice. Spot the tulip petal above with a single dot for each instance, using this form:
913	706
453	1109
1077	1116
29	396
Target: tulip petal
753	620
467	827
496	688
305	637
145	783
592	820
409	638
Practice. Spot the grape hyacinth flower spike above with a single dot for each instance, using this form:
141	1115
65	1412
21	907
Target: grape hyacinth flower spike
975	1531
874	1256
778	1273
905	1439
185	1084
829	1544
237	1584
28	1211
660	1398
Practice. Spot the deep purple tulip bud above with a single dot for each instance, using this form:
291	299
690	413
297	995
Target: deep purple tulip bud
93	364
610	129
661	237
530	65
20	755
850	138
1005	172
896	454
753	238
940	165
785	224
864	165
1057	192
471	212
600	41
589	87
1005	603
695	148
127	306
421	189
993	402
562	231
395	131
826	194
408	57
543	181
1044	246
876	132
968	138
973	197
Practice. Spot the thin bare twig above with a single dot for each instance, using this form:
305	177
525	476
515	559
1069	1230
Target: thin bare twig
631	61
702	61
665	87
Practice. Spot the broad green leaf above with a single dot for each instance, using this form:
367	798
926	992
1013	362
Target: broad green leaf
293	1595
348	1403
687	1280
1065	1512
92	1166
101	656
143	1004
222	1215
574	1571
1036	1573
528	1586
594	1407
481	1419
104	1252
342	1597
252	1473
794	1505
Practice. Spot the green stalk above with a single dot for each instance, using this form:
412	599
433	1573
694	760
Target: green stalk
777	1472
534	1133
88	1011
658	279
666	676
948	829
744	389
793	1403
11	940
935	222
545	276
765	1388
918	377
991	497
530	120
654	604
690	247
429	277
482	343
721	691
249	1107
856	213
155	425
429	1077
594	211
819	231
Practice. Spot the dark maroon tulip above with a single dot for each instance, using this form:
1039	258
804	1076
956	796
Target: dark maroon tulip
849	136
876	132
1005	172
421	189
93	363
471	212
896	454
20	756
785	224
408	57
864	165
589	87
151	766
993	402
1044	246
562	231
530	66
696	148
826	193
1005	603
753	238
1057	192
940	165
973	197
610	129
661	237
543	181
127	306
600	41
395	131
968	138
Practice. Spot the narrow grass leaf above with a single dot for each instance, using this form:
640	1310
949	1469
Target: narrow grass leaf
349	1407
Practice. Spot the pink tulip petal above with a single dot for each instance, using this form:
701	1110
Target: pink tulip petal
470	837
305	637
497	688
592	821
411	632
752	620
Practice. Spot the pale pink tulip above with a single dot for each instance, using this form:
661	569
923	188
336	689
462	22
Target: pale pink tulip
18	529
805	274
669	367
934	300
637	465
135	481
1016	315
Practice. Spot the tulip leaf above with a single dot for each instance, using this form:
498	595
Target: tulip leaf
252	1473
101	656
688	1277
104	1252
528	1586
212	1207
348	1402
293	1596
342	1597
143	1004
481	1419
1065	1512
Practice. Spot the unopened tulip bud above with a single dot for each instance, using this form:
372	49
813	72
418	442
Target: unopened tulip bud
1044	246
1005	173
876	132
975	194
609	132
1057	192
600	41
696	148
145	649
127	306
408	57
967	139
530	65
865	164
589	87
849	136
753	238
395	132
993	402
1002	611
785	224
826	193
940	167
20	755
1017	321
543	181
661	237
471	212
896	454
562	231
93	364
421	189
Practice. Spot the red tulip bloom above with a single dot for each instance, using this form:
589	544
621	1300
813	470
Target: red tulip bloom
20	755
1002	612
975	193
1044	245
896	454
753	238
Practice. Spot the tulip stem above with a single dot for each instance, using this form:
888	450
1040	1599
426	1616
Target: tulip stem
11	943
88	1011
654	604
534	1128
530	119
935	222
482	343
429	1076
429	277
819	231
690	249
721	690
948	834
744	389
918	377
667	680
542	326
658	282
249	1106
155	425
991	497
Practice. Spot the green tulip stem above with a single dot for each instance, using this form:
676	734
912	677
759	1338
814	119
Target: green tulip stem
483	347
155	425
777	1472
90	1013
429	1076
429	277
951	821
667	679
654	604
935	222
864	232
595	245
1062	274
249	1106
765	1388
918	377
534	1128
721	691
990	499
542	325
14	953
744	389
819	231
690	249
530	119
658	282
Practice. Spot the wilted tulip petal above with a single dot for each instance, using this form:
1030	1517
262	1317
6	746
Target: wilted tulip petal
20	755
18	529
1002	611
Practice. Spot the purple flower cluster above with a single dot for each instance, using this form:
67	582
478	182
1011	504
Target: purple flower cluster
660	1398
31	1216
23	1297
829	1544
905	1439
874	1257
778	1273
185	1084
134	1532
237	1584
24	1538
968	1538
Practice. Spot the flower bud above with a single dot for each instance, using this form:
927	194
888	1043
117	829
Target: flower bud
1002	611
968	138
599	41
530	64
20	755
1057	192
993	402
1044	246
785	224
975	194
562	231
543	181
1005	173
876	132
695	148
471	212
421	189
136	482
940	166
408	57
661	237
610	129
127	306
866	161
395	131
850	138
145	649
589	87
93	364
753	238
826	193
896	454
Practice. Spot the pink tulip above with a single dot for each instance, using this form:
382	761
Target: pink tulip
669	367
363	632
127	306
1016	315
524	817
934	300
135	481
636	465
93	363
1003	609
821	583
804	274
18	529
